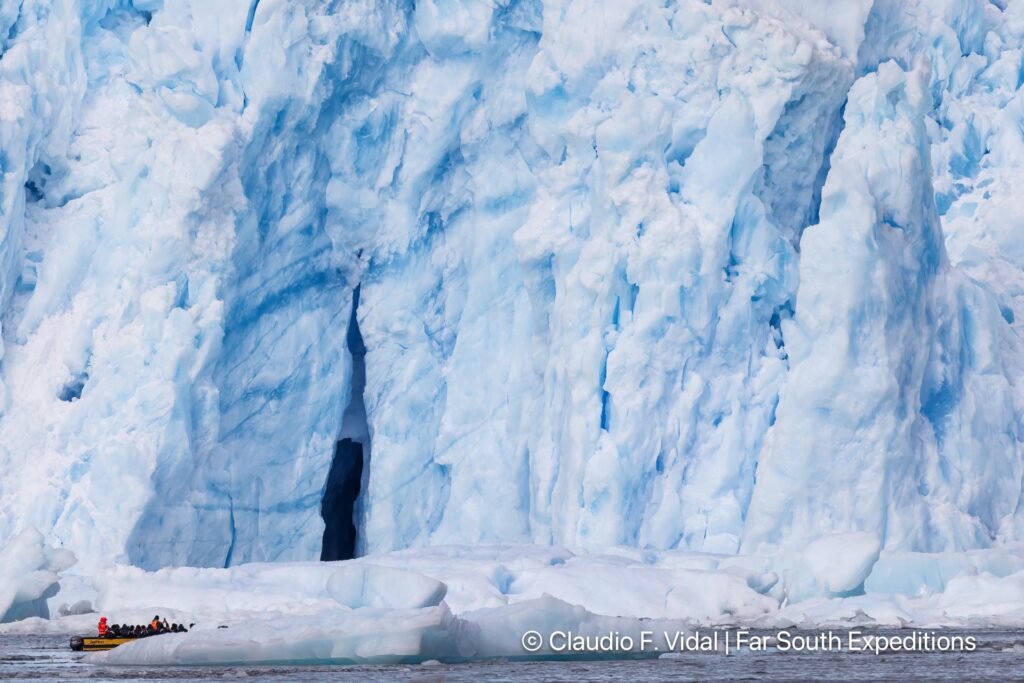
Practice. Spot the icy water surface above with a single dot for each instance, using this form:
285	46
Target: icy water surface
1000	657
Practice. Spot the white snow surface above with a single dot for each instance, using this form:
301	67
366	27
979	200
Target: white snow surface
731	279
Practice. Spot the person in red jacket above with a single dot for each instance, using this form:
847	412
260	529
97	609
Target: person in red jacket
102	628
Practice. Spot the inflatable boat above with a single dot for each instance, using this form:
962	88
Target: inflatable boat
94	644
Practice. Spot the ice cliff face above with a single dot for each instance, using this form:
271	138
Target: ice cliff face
715	276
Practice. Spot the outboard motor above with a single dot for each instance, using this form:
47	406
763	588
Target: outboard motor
77	643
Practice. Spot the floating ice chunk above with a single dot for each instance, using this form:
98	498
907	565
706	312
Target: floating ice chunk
477	576
929	573
501	631
76	591
619	587
390	636
366	585
29	575
365	636
984	597
860	610
75	608
841	562
215	593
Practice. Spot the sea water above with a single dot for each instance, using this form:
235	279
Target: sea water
999	656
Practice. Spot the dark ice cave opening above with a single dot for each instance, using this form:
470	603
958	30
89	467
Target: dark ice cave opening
339	503
340	506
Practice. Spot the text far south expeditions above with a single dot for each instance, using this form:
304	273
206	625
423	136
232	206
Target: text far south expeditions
725	642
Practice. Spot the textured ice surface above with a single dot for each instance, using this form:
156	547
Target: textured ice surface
29	575
717	277
369	636
467	579
891	353
513	590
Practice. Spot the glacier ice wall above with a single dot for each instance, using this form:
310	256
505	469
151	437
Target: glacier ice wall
701	275
890	351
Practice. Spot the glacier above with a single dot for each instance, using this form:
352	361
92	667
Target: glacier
742	278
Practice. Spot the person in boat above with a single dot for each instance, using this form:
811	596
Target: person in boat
164	626
155	623
102	628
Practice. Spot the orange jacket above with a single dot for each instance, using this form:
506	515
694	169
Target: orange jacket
155	624
102	628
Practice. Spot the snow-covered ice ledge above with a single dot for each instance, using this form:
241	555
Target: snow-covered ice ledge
459	603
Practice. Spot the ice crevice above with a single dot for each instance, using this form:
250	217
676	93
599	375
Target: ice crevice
341	508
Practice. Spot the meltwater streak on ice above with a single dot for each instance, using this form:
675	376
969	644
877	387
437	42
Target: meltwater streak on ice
591	301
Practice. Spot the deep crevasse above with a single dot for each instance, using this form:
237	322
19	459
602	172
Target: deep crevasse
593	309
